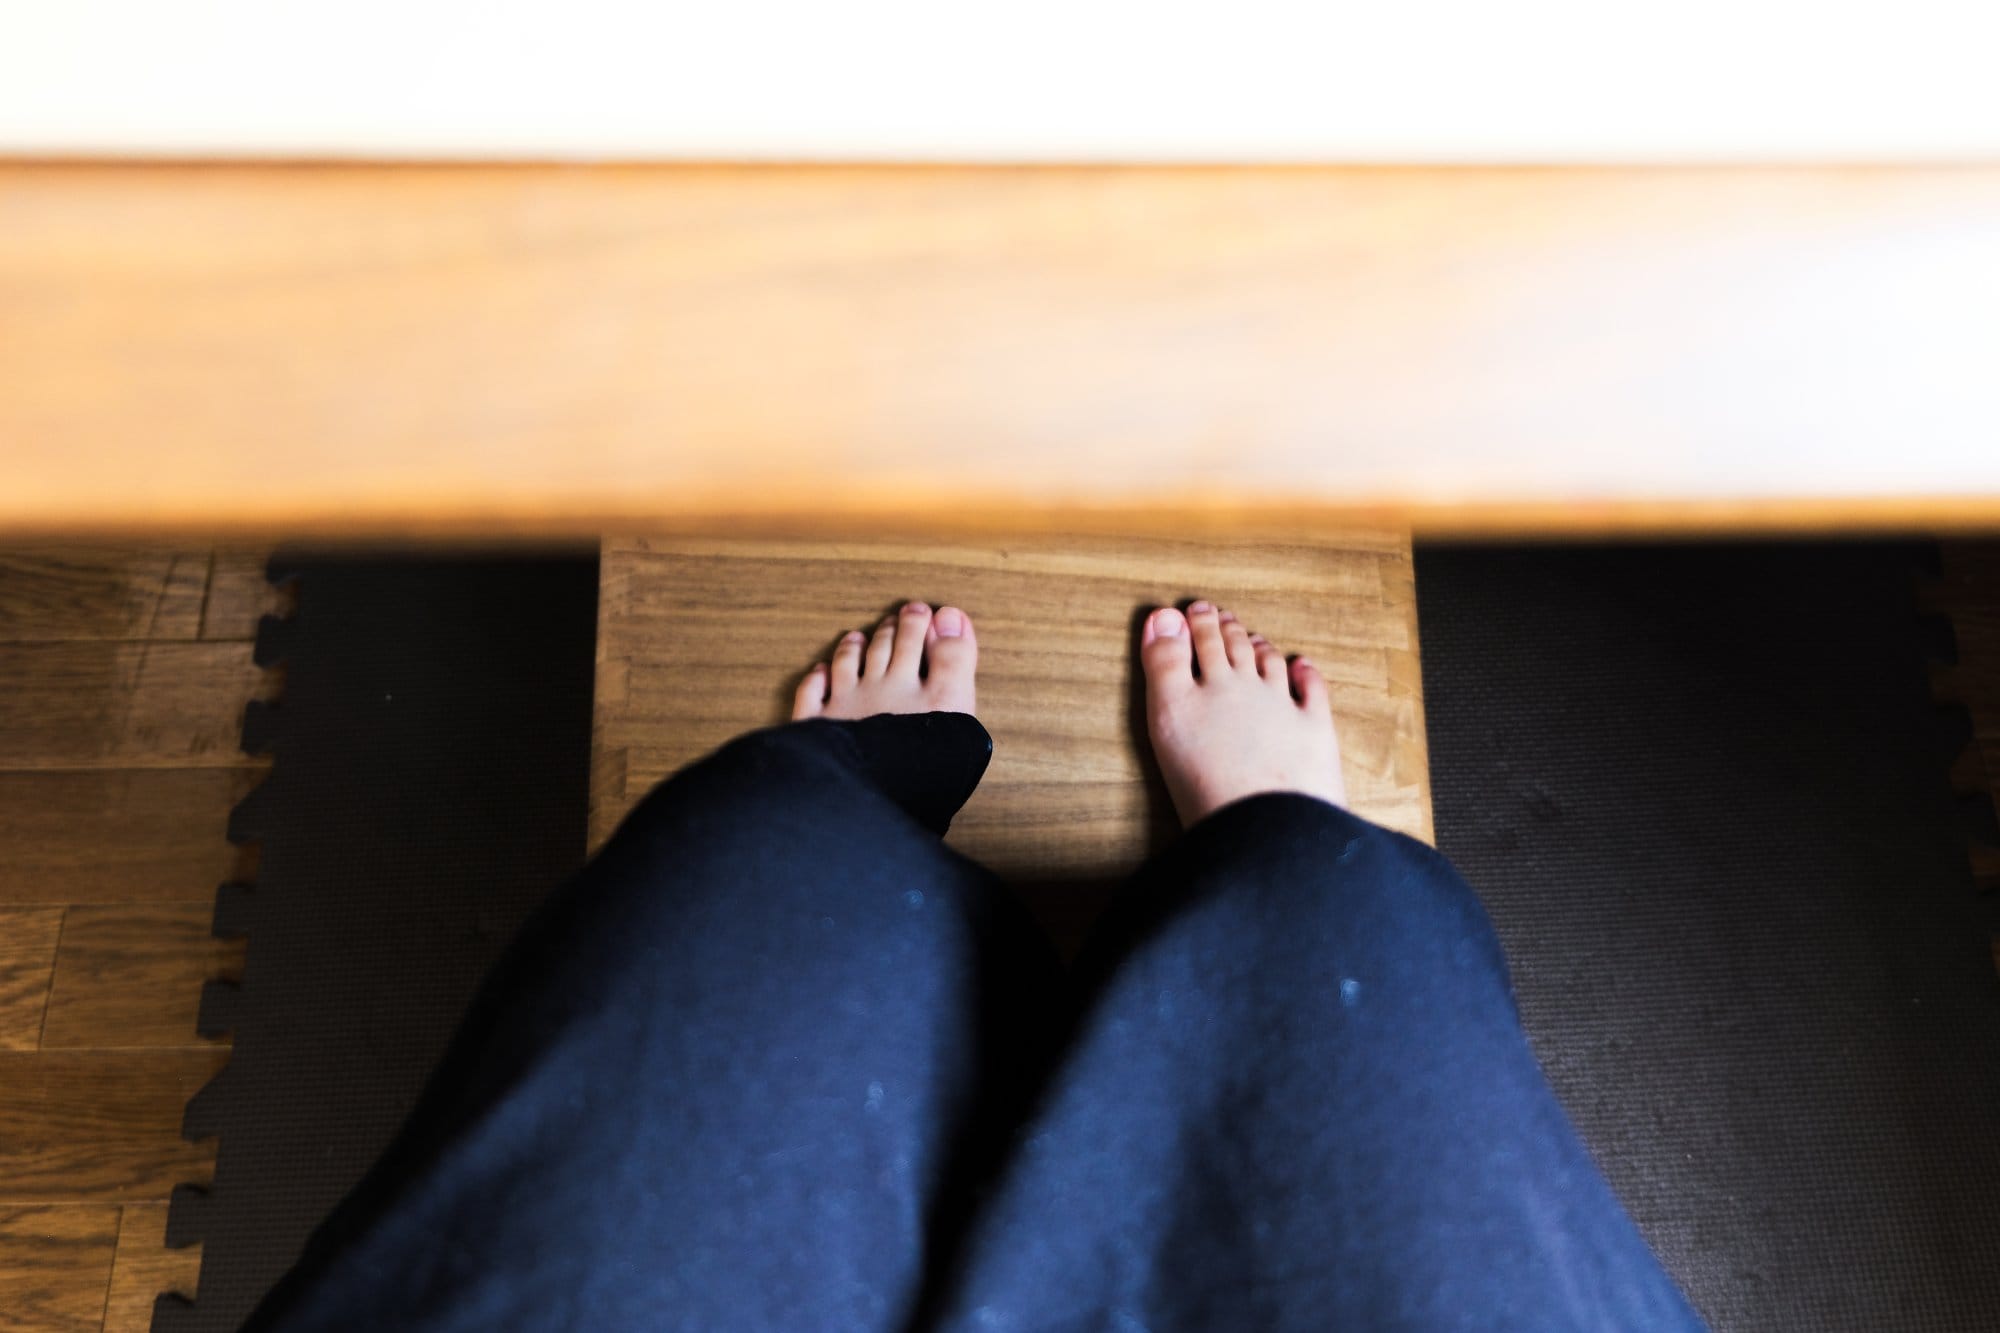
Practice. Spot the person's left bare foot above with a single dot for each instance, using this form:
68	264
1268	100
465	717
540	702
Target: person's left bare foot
917	662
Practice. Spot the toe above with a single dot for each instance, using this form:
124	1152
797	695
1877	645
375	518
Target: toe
1211	654
1236	642
880	648
1308	686
1166	651
953	651
810	701
846	667
1270	662
907	655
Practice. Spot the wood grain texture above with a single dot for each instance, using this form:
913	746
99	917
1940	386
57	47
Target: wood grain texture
99	1126
101	593
119	835
144	1267
27	964
131	975
624	348
123	676
55	1267
239	595
700	640
125	705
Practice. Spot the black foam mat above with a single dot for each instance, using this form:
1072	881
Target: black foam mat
430	783
1702	793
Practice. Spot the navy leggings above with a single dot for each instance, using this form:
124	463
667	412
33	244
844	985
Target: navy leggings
779	1059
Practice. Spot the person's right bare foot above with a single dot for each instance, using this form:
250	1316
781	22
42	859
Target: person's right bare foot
1249	723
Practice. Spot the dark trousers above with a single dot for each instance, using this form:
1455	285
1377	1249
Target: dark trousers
778	1059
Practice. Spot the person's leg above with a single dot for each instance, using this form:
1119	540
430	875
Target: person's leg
1299	1097
730	1076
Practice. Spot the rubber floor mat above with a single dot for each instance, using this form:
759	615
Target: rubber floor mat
1702	793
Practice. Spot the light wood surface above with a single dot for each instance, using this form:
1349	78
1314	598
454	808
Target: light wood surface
700	640
543	349
123	676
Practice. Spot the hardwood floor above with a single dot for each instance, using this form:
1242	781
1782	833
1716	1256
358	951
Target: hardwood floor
698	639
123	677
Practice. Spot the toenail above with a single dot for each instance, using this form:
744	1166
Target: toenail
854	636
950	623
1201	606
1167	623
913	608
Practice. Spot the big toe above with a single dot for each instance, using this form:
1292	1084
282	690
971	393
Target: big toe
951	652
1166	651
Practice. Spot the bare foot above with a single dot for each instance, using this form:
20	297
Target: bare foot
1248	724
917	662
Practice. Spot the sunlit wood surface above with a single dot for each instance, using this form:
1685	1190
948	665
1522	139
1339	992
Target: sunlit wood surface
591	348
701	639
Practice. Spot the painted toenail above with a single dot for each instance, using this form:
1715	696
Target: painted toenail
950	623
1167	623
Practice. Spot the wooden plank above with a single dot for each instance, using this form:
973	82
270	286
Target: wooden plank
27	962
144	1267
125	705
131	975
55	1266
239	595
955	350
99	1126
700	640
101	593
120	835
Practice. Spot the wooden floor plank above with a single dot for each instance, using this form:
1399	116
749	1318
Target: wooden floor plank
55	1267
144	1267
27	963
131	975
124	705
85	592
239	595
702	639
99	1126
119	835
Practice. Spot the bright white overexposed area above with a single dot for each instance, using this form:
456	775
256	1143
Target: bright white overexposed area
1049	80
